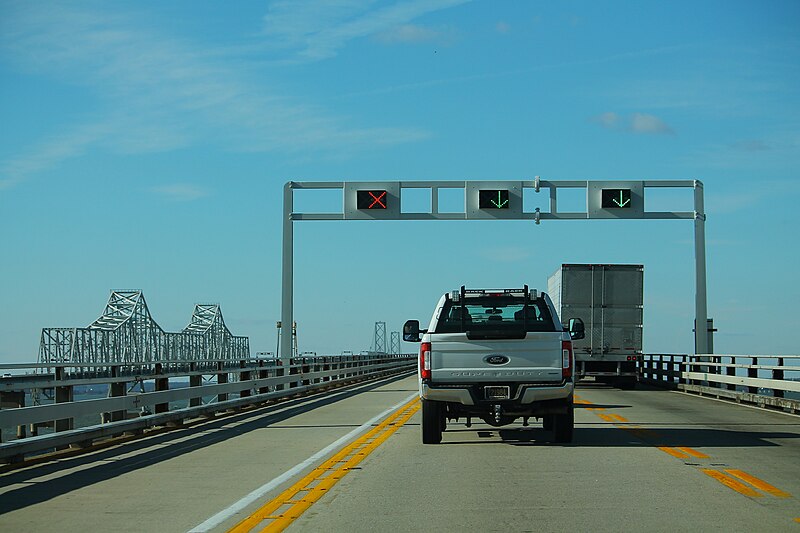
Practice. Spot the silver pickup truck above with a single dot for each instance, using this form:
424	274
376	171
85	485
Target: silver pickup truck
497	355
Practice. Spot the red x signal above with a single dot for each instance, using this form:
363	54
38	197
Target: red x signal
377	199
371	199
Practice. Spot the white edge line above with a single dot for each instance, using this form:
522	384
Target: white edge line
225	514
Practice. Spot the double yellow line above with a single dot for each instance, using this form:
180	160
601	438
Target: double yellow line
732	478
278	514
732	483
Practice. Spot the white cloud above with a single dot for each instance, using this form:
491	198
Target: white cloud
317	29
157	92
181	192
48	153
750	145
640	123
502	27
413	34
608	119
644	123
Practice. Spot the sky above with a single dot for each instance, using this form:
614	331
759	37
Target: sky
144	145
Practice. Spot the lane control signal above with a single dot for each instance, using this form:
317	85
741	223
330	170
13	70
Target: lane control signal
493	199
371	199
615	199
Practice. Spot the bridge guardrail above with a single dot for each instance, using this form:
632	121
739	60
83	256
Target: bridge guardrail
763	380
254	381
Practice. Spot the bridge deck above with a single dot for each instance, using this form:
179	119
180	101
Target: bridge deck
650	459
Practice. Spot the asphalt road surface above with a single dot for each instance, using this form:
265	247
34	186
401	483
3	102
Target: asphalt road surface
645	459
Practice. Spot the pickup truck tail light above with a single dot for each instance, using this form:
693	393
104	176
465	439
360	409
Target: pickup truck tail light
566	359
425	360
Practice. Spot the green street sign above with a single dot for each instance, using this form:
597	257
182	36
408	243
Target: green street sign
493	199
615	199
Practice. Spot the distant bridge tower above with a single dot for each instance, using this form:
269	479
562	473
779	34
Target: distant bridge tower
394	347
379	340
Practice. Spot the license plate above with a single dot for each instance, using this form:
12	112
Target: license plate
496	393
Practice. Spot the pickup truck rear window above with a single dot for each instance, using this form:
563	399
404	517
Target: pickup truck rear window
495	313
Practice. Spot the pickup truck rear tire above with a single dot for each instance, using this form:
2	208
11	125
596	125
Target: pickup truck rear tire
431	422
563	426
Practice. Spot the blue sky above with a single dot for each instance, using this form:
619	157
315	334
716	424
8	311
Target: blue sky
145	145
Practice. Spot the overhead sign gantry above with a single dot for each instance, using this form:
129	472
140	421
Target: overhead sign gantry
494	200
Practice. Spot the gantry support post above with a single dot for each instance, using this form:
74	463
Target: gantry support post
700	310
287	277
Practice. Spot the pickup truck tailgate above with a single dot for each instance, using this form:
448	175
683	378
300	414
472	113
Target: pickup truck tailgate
536	358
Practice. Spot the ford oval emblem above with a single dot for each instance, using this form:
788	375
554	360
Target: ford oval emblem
496	359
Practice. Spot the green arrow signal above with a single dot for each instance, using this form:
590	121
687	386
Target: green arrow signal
499	203
621	203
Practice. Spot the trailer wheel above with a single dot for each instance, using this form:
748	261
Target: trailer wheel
431	422
563	426
626	384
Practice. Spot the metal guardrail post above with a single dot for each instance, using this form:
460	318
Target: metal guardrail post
686	365
777	373
63	394
326	365
280	371
263	373
13	400
162	384
293	371
244	375
730	371
305	368
115	389
317	368
195	381
752	373
222	377
717	360
681	379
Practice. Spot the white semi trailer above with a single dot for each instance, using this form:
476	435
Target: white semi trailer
609	299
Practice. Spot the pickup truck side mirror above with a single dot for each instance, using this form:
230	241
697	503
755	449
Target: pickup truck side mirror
411	331
576	329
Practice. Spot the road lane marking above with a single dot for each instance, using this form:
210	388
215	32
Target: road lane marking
693	452
644	434
294	501
680	452
673	452
731	483
685	452
255	495
759	484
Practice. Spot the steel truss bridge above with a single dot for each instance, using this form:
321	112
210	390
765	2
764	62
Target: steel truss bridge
127	333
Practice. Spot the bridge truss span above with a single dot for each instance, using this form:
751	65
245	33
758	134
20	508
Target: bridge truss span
127	333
